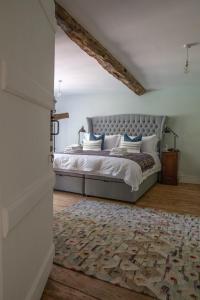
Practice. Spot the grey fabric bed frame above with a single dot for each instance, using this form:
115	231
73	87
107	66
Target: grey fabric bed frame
109	187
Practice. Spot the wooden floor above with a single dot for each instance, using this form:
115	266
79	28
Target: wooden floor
65	284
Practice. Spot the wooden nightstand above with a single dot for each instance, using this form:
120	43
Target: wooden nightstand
169	171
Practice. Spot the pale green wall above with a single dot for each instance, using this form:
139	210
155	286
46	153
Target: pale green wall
182	105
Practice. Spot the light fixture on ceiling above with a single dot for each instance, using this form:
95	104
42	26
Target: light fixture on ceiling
186	67
187	47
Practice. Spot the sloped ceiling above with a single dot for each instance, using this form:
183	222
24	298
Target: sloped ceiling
145	35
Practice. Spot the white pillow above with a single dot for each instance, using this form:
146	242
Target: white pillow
86	136
132	147
111	141
149	143
92	145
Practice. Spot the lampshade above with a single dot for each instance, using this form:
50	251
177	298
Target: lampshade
169	130
82	129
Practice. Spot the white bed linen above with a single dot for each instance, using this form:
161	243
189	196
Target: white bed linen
118	167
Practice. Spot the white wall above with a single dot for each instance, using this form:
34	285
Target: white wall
182	105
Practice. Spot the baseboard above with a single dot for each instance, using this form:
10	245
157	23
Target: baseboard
38	285
189	179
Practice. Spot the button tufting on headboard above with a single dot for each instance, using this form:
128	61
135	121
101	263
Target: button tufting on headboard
133	124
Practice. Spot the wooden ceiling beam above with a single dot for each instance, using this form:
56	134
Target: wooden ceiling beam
92	47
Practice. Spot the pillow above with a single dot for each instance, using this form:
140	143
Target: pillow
128	138
111	141
149	143
86	136
132	147
92	145
95	137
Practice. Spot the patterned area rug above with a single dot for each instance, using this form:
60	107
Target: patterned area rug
145	250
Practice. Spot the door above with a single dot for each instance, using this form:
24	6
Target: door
27	30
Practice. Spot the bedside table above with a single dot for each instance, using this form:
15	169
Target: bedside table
169	173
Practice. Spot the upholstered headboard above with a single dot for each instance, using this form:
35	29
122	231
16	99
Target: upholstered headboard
133	124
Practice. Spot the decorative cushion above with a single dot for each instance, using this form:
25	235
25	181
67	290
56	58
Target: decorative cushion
94	137
92	145
128	138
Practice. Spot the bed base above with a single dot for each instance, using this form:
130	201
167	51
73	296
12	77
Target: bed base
70	182
100	186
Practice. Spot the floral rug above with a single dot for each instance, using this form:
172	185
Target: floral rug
144	250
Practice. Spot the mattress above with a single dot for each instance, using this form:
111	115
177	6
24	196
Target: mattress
117	167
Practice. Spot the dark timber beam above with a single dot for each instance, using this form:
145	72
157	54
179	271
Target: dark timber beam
93	48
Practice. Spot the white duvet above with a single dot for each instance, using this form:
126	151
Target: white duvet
118	167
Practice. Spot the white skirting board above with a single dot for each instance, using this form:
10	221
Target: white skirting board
38	285
189	179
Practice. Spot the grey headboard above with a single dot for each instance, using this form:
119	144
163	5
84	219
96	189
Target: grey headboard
133	124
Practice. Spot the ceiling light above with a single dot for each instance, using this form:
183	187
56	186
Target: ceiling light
187	47
59	88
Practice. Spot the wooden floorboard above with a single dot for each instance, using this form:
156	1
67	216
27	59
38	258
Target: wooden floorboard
92	286
58	291
184	198
64	284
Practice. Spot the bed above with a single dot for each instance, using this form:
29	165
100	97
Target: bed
112	185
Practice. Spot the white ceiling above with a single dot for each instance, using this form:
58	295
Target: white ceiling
79	72
145	35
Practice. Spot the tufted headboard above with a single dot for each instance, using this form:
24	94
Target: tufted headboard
132	124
